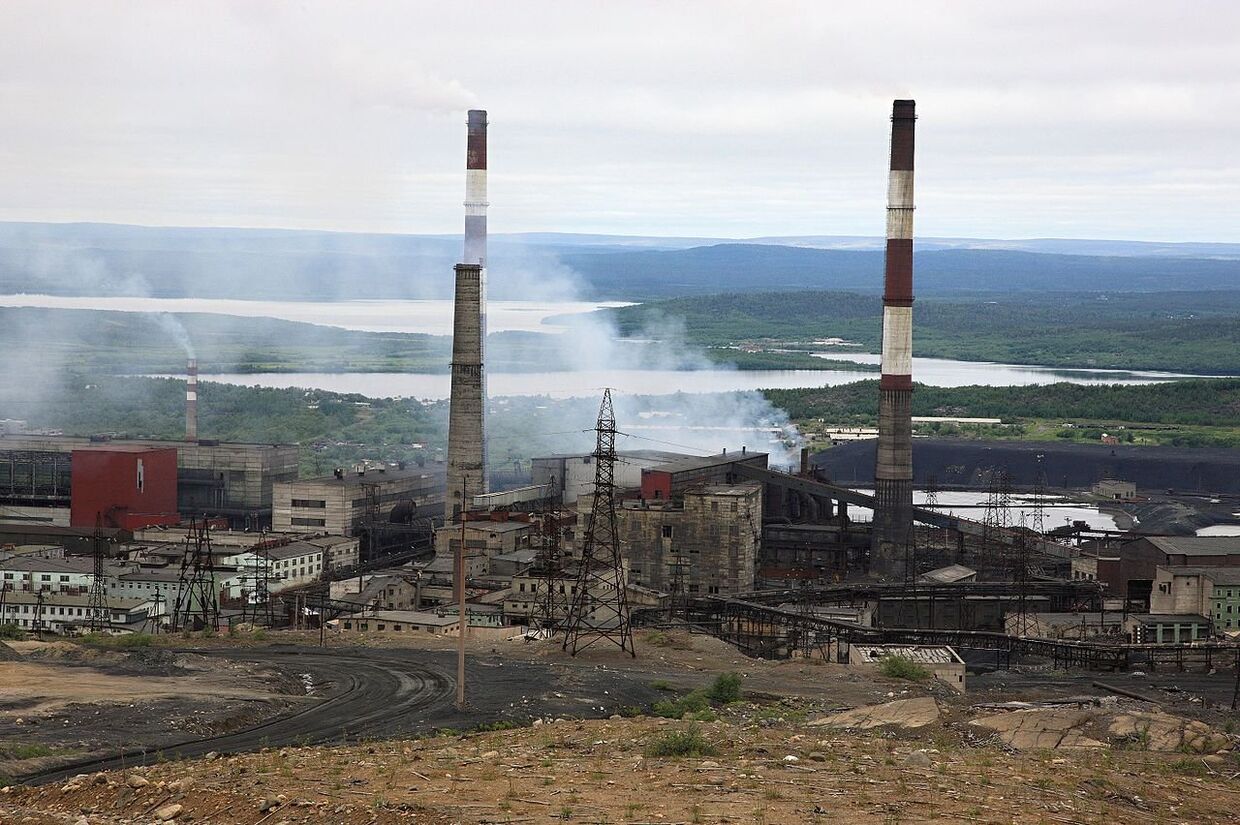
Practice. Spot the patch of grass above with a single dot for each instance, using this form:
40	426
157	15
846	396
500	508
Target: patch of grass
660	684
902	667
30	751
500	724
11	632
1188	767
681	743
123	642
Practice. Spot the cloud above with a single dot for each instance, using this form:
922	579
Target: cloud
694	118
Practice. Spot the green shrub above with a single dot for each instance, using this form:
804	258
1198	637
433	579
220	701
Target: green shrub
902	667
725	690
11	632
687	742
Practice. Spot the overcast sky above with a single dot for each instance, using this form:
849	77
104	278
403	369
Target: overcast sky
1036	119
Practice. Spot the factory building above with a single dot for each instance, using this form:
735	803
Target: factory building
708	540
1213	592
229	480
123	486
339	504
1129	572
571	475
672	479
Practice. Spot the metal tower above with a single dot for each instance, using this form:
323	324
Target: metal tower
197	605
600	605
98	614
552	607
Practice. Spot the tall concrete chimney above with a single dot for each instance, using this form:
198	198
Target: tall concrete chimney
893	471
466	448
191	400
467	475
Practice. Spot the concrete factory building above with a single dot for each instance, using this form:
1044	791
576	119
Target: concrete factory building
214	478
708	539
339	504
572	475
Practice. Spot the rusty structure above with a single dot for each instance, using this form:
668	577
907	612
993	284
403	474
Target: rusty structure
191	400
600	604
893	469
467	473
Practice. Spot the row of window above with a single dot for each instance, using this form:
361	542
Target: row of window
45	577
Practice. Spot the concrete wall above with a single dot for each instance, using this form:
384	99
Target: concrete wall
715	536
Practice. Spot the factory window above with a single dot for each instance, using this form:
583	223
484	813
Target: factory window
310	503
47	578
667	531
309	522
734	530
64	578
714	507
141	476
348	625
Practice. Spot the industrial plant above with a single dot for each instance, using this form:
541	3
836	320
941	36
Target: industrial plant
780	561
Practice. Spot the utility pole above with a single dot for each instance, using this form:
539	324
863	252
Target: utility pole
460	603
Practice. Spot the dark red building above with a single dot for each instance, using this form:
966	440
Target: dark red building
670	480
129	487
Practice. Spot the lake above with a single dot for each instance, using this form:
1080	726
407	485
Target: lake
661	382
435	317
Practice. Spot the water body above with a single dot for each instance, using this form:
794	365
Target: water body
1220	530
944	372
1056	510
429	317
662	382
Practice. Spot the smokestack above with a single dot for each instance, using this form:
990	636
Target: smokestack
466	440
893	471
476	189
191	400
467	411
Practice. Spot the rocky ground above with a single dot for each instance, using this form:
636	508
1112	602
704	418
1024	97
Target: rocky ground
757	763
809	742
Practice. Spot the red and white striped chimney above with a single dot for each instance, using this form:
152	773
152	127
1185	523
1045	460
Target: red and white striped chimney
893	471
476	188
191	400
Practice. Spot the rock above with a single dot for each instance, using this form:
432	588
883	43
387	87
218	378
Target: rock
708	765
101	779
211	755
268	804
1043	728
135	781
491	755
790	759
919	759
169	812
902	713
1215	759
817	756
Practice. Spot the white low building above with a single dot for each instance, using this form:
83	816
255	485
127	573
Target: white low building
66	613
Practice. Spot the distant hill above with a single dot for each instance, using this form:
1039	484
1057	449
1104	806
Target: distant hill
106	259
752	267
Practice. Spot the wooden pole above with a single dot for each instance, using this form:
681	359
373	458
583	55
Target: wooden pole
460	604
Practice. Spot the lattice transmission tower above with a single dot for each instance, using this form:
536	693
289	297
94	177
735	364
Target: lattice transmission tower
197	605
552	607
600	606
98	615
